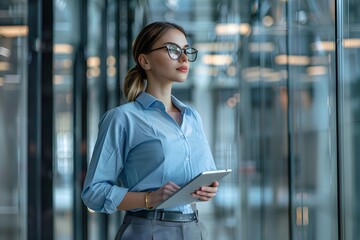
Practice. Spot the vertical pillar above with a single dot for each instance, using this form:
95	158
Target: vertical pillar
40	120
80	219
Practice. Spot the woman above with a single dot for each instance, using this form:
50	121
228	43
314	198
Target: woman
149	147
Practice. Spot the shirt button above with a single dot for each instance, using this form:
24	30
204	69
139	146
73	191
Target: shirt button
182	136
187	158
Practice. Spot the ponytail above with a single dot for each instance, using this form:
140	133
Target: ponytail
134	83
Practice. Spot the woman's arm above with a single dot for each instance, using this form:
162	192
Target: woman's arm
134	200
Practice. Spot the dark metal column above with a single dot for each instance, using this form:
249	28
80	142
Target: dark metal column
80	219
40	120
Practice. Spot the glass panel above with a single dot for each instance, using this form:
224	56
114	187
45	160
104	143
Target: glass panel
263	116
13	115
96	96
66	34
106	66
312	119
349	102
287	141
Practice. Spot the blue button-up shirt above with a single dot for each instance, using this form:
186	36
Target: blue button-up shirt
140	147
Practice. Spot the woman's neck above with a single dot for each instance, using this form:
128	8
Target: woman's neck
163	94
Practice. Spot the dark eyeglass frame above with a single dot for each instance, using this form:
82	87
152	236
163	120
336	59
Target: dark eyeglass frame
187	51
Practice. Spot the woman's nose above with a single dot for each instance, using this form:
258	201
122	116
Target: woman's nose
183	57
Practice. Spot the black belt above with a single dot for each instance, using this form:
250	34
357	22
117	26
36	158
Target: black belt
161	215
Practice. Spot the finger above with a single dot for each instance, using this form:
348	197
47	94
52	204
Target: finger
168	193
215	184
209	189
202	197
164	193
173	185
205	194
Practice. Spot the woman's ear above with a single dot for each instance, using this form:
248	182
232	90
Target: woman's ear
144	61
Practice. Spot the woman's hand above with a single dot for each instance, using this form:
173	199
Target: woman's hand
205	193
162	193
134	200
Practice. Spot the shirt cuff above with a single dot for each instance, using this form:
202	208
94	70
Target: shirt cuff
114	198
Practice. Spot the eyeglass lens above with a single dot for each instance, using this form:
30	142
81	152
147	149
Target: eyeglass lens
175	52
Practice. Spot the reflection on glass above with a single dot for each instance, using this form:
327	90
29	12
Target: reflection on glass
13	124
65	27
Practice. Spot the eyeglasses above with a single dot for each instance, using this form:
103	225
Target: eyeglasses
175	52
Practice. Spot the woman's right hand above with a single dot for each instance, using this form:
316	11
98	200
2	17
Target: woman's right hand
162	193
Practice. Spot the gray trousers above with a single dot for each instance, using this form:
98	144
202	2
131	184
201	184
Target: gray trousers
145	229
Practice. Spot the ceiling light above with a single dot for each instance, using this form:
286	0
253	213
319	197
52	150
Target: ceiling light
232	28
292	60
4	66
58	79
217	59
316	70
14	31
323	46
93	62
173	5
63	48
351	43
330	45
110	60
268	21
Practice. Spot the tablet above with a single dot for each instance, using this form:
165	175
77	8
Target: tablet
183	195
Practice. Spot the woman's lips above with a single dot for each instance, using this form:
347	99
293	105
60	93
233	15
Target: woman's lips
182	69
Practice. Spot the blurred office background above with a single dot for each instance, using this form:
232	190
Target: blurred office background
277	84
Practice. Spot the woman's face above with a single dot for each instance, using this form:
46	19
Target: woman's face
160	67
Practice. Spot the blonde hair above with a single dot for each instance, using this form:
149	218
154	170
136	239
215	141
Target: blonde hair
135	79
134	83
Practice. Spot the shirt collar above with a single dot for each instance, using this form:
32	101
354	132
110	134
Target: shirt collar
146	100
181	106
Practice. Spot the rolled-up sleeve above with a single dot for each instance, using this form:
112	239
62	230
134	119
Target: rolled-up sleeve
101	190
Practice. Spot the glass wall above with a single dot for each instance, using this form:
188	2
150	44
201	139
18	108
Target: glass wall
287	141
313	121
101	74
66	39
13	121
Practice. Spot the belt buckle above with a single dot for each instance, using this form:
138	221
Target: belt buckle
162	216
175	217
168	216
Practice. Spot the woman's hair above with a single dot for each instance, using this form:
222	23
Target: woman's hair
135	78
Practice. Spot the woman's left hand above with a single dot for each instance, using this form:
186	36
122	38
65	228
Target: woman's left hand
205	193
